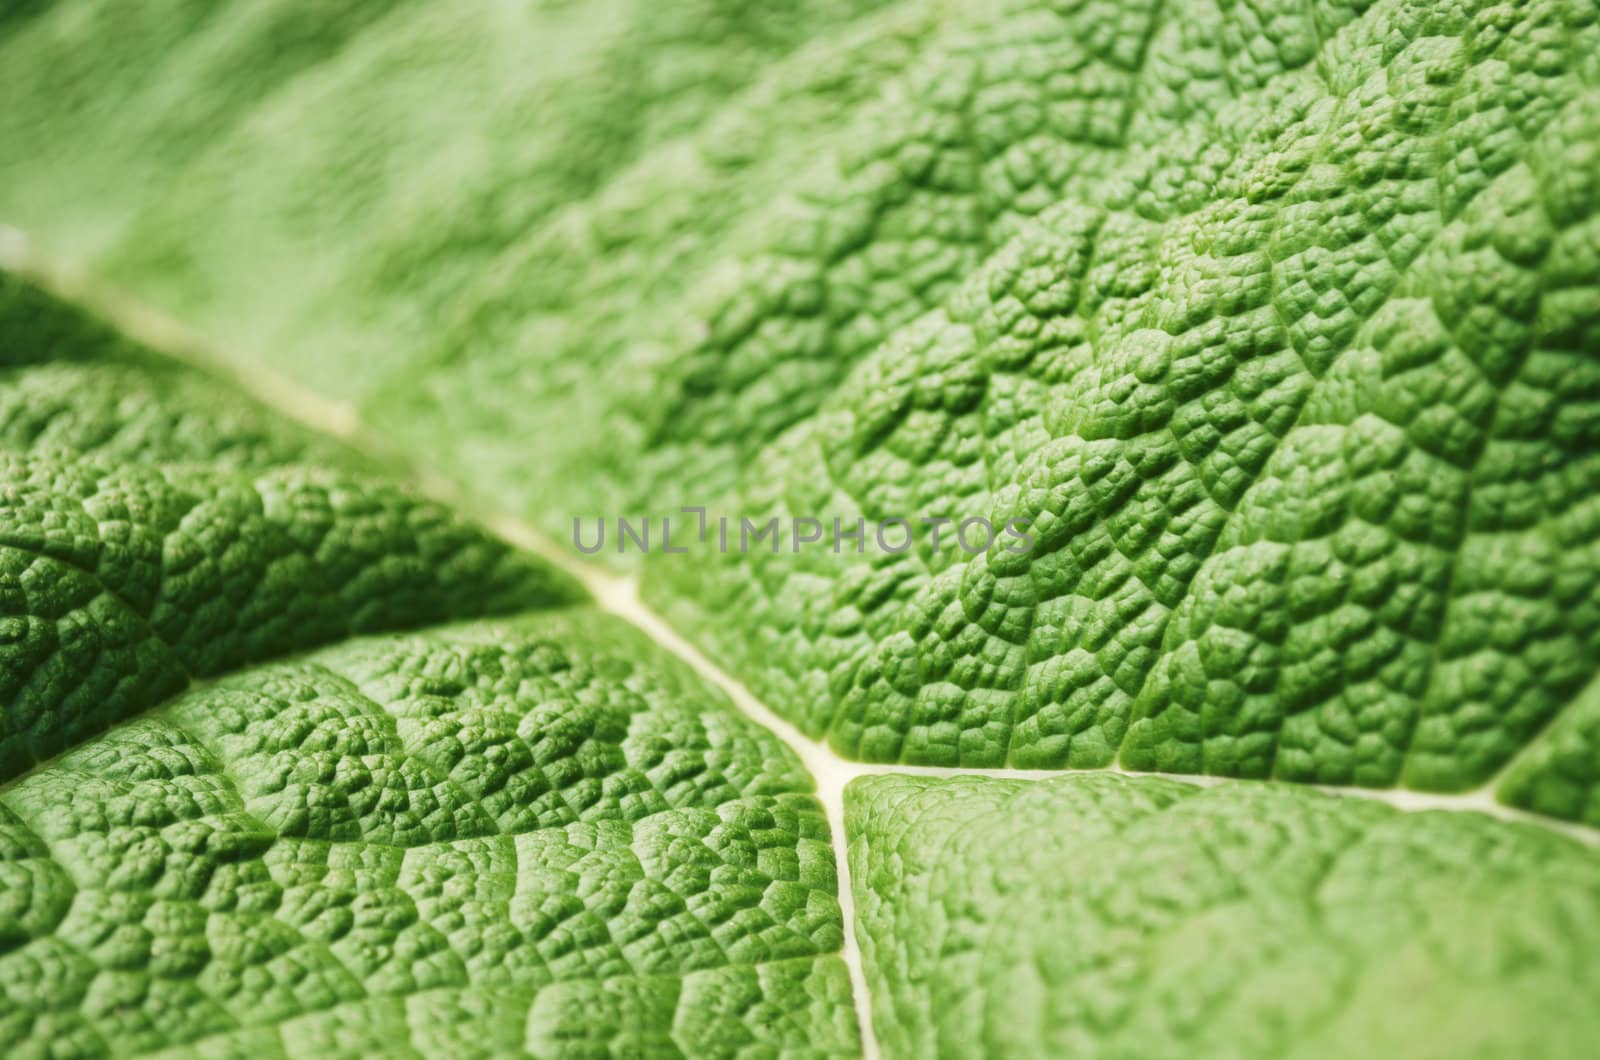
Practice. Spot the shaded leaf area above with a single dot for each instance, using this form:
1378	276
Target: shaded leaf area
155	527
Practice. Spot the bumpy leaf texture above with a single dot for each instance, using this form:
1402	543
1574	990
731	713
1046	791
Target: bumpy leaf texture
537	832
1277	321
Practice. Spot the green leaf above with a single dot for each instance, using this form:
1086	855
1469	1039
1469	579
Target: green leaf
1277	325
183	535
1106	915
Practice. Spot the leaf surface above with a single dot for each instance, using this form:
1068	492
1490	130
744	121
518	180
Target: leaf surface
1275	323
